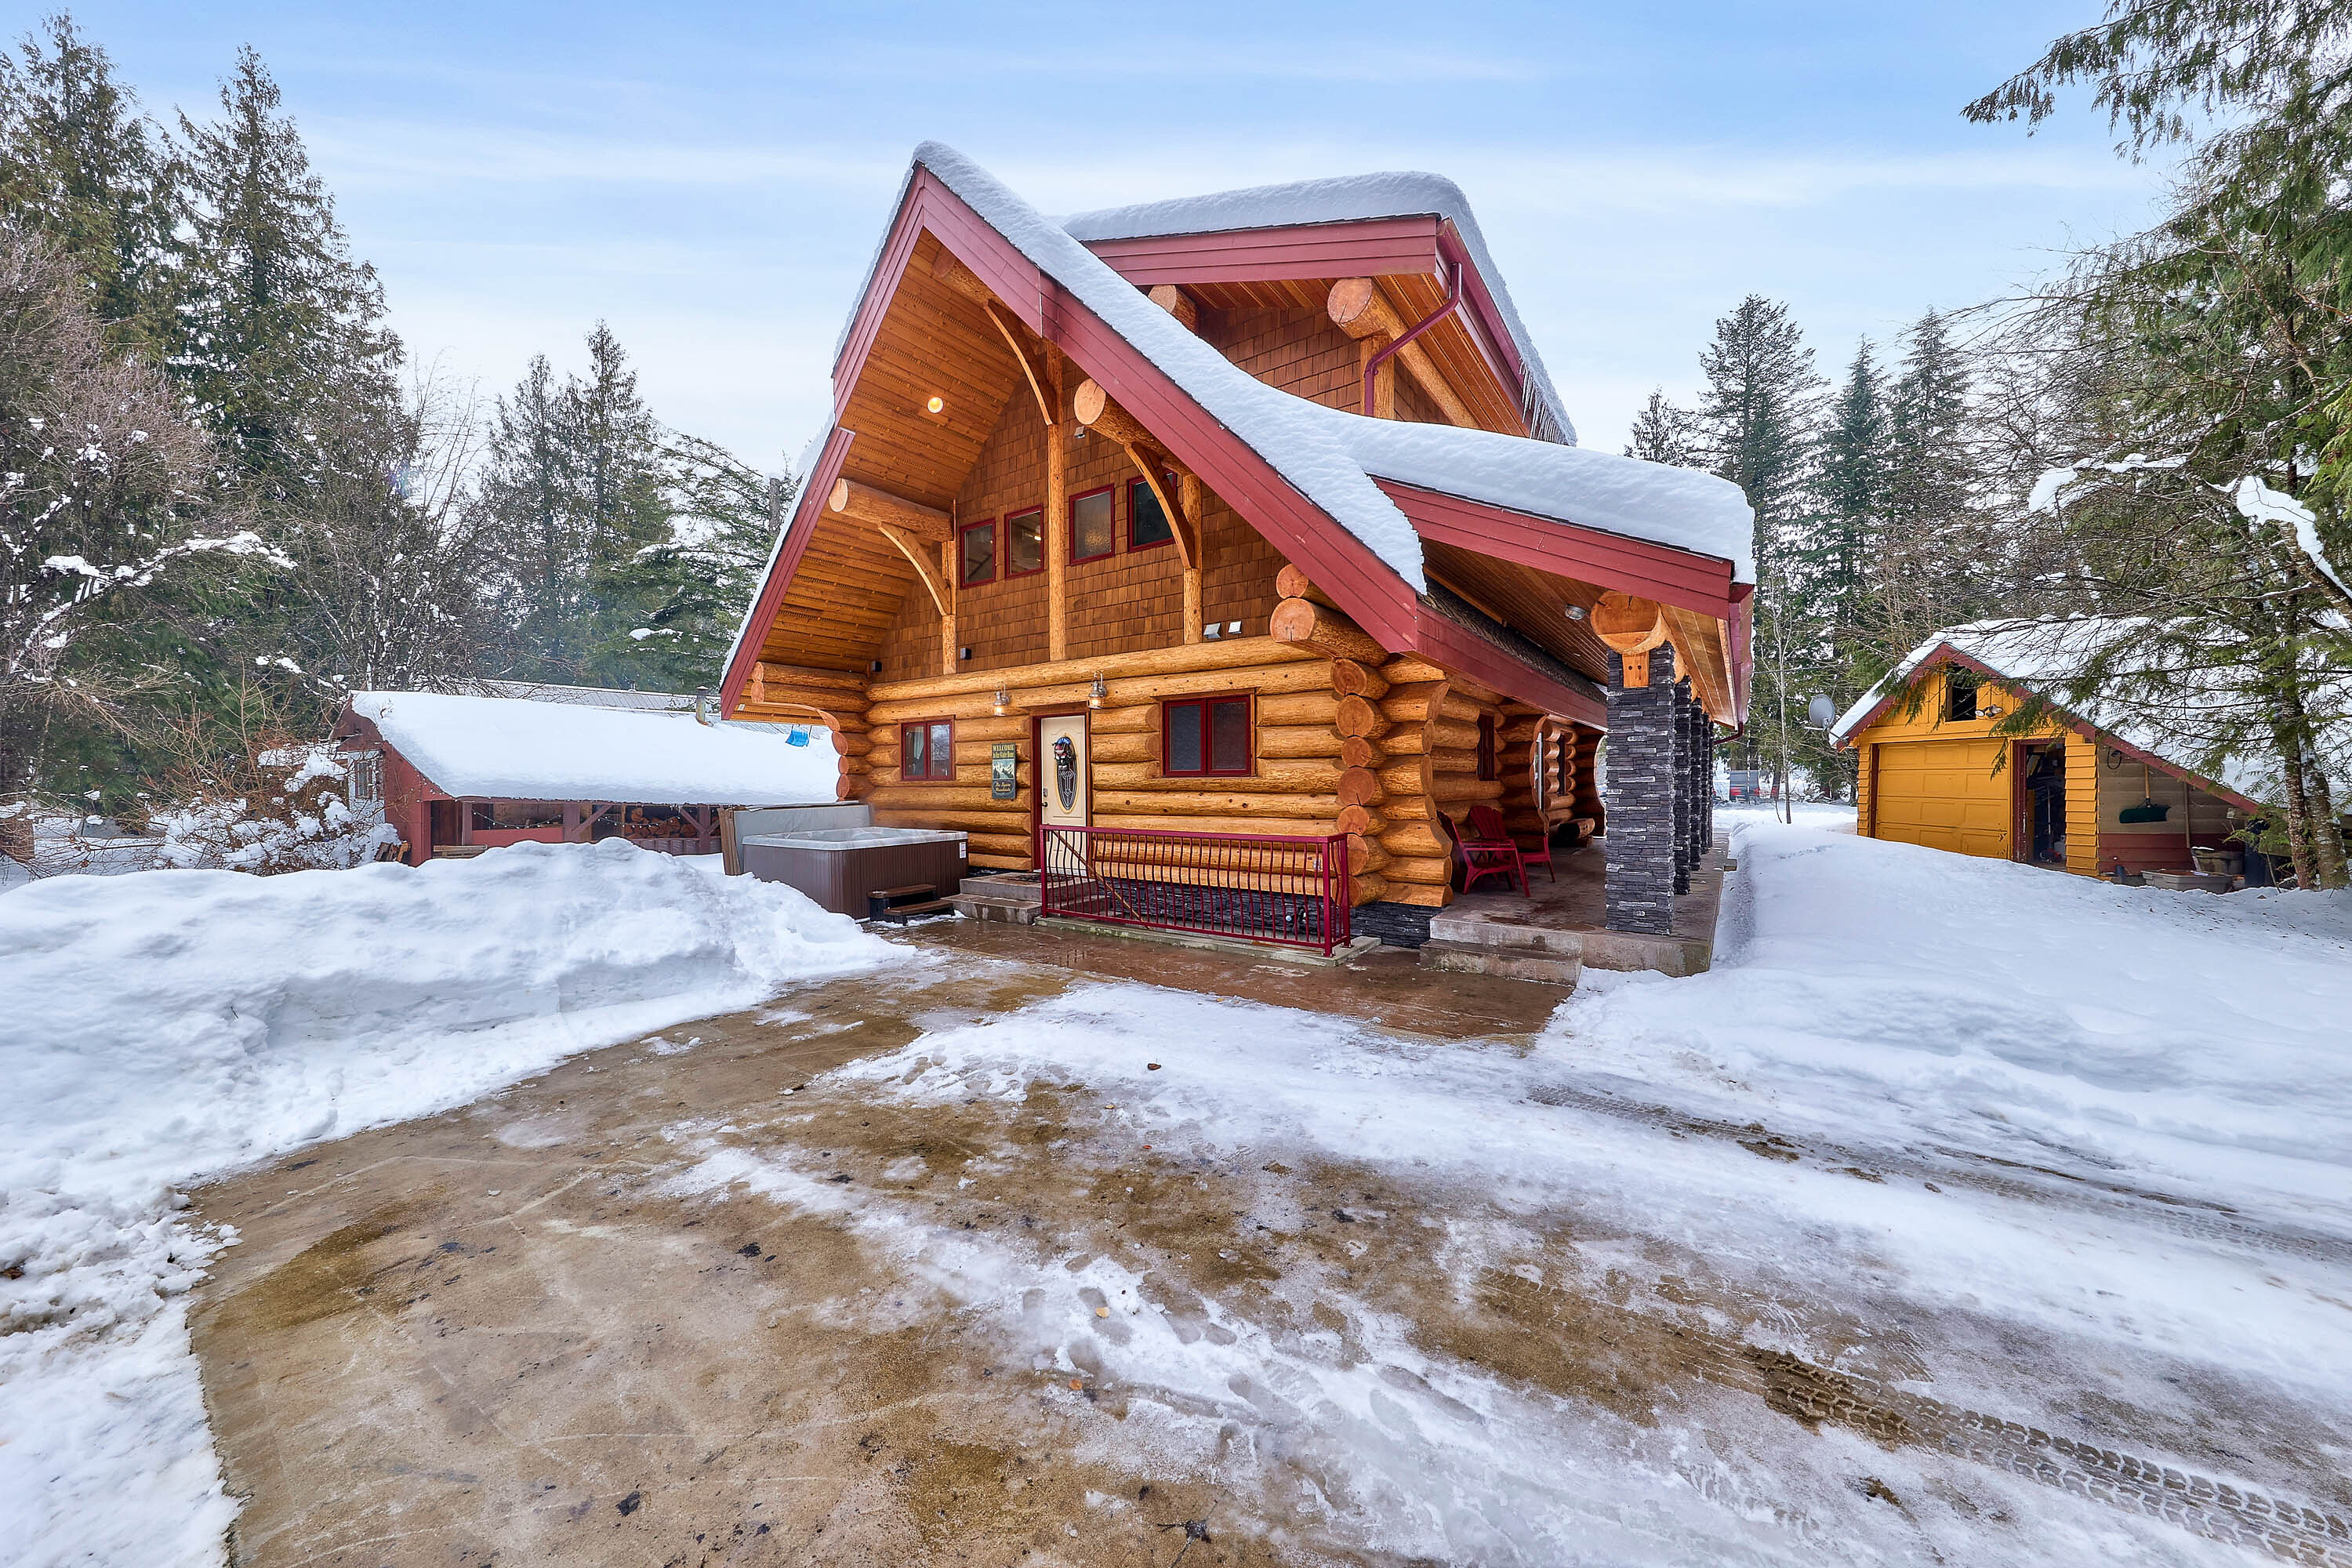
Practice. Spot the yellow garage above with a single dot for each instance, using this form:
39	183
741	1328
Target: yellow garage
2063	794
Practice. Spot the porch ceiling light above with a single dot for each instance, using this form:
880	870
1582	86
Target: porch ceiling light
936	405
1576	612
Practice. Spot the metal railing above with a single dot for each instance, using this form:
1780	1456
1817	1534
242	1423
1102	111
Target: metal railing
1293	892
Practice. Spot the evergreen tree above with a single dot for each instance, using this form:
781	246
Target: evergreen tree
573	491
1851	484
1664	433
726	517
79	164
1755	420
279	329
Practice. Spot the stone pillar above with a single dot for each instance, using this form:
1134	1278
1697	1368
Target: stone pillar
1684	806
1639	838
1705	771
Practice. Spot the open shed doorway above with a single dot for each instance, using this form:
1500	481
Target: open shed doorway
2040	773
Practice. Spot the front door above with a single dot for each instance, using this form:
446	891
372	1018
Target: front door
1062	793
1062	771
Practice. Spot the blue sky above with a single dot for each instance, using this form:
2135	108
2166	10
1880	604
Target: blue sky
711	181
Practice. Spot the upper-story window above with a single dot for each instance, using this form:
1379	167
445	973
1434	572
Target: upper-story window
1147	521
1025	542
1959	695
976	553
1093	532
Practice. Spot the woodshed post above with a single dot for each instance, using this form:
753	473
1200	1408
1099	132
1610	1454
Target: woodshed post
1640	866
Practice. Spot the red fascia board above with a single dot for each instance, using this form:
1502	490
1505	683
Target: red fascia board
1493	337
797	533
930	204
1359	248
1682	578
1456	648
1945	653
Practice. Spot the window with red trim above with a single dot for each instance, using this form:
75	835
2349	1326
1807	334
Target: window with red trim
1488	767
1025	542
1207	737
1147	521
927	750
976	553
1094	533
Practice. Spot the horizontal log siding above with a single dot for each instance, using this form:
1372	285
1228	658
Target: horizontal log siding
1289	795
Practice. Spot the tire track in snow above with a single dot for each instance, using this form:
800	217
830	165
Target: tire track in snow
1990	1173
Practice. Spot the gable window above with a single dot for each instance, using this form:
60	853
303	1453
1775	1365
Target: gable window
1959	696
1488	767
1092	534
1205	738
976	553
927	750
1025	543
1147	521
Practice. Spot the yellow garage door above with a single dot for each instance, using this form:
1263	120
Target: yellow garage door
1944	794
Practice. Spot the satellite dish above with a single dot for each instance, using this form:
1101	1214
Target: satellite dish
1822	711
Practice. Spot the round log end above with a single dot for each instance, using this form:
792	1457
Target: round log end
1627	624
837	498
1293	621
1291	583
1357	717
1089	402
1360	786
1359	820
1357	751
1351	298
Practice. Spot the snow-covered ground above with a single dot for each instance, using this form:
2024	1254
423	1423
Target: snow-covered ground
159	1028
1985	1140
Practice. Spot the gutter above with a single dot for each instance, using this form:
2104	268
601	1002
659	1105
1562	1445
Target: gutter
1445	307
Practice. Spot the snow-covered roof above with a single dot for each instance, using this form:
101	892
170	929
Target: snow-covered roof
1330	456
503	748
2041	655
585	696
1348	199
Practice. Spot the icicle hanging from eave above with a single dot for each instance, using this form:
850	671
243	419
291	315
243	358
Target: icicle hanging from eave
1537	414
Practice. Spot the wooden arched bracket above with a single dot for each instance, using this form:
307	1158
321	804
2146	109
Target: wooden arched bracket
1093	408
1631	627
1030	359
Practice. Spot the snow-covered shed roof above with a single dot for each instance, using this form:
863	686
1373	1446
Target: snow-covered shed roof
1330	456
1348	199
2040	656
504	748
585	696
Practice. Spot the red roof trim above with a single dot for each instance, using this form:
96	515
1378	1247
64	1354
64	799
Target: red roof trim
1457	647
797	533
1358	248
1682	578
1493	336
1945	653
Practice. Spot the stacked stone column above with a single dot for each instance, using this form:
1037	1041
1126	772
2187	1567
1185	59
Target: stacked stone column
1645	780
1684	807
1703	776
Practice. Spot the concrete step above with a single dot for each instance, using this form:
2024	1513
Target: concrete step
990	907
1505	935
1004	888
1501	964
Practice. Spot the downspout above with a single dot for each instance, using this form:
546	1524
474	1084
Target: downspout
1446	307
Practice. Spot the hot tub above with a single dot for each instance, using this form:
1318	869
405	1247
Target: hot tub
839	867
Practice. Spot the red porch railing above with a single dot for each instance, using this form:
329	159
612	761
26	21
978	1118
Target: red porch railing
1293	892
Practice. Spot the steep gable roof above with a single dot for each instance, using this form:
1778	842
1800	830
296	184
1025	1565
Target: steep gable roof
1293	467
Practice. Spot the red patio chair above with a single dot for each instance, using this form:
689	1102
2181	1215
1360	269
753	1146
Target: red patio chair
1487	826
1487	856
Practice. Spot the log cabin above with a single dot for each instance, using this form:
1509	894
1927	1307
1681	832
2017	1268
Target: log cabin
1240	543
1967	746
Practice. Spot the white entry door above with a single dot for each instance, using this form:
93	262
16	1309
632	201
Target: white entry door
1061	778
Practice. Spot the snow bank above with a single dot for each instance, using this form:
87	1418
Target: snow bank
165	1027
